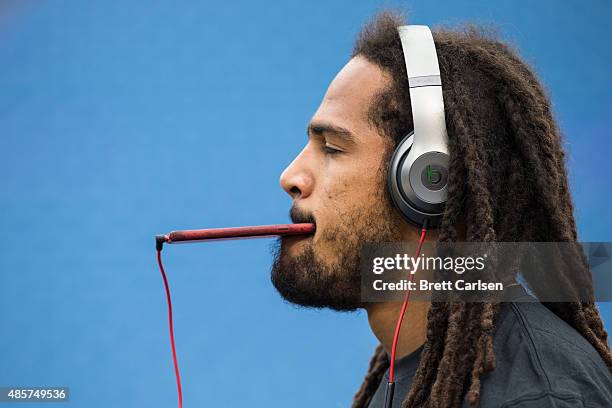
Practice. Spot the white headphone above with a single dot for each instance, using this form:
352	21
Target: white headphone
418	173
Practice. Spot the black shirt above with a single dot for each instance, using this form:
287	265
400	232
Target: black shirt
541	362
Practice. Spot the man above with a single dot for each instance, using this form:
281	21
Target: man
506	182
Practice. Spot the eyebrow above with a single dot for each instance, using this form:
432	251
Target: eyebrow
322	128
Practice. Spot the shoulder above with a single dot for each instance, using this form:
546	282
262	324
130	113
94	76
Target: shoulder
542	361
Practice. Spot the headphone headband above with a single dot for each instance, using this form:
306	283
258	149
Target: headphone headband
425	89
418	41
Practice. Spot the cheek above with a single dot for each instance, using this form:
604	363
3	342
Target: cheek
343	199
347	184
353	189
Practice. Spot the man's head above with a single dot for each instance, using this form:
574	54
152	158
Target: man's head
337	182
506	167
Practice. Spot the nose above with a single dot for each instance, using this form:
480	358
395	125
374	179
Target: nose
297	179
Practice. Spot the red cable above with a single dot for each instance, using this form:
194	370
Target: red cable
402	311
176	368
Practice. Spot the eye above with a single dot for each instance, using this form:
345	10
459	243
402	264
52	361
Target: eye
330	150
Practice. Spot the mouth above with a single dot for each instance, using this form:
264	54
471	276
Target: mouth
299	216
291	241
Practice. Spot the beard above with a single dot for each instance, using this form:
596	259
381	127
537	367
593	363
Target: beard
306	280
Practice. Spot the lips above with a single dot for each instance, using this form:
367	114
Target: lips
290	240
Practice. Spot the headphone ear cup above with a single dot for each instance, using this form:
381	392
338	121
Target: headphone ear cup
402	191
395	168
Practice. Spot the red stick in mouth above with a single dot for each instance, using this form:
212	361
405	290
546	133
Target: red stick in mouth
259	231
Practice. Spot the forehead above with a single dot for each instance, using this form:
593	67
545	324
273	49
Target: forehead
348	97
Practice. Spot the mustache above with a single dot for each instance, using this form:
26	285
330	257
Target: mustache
298	216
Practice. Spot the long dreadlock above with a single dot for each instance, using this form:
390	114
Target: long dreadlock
506	166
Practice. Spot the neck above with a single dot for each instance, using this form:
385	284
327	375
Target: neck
383	316
383	320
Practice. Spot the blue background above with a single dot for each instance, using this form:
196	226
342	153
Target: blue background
120	120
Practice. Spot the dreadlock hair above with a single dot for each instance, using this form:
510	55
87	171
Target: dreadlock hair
507	182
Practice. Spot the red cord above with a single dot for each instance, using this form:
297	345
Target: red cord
402	311
176	368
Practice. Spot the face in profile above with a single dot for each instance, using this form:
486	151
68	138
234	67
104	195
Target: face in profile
337	182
